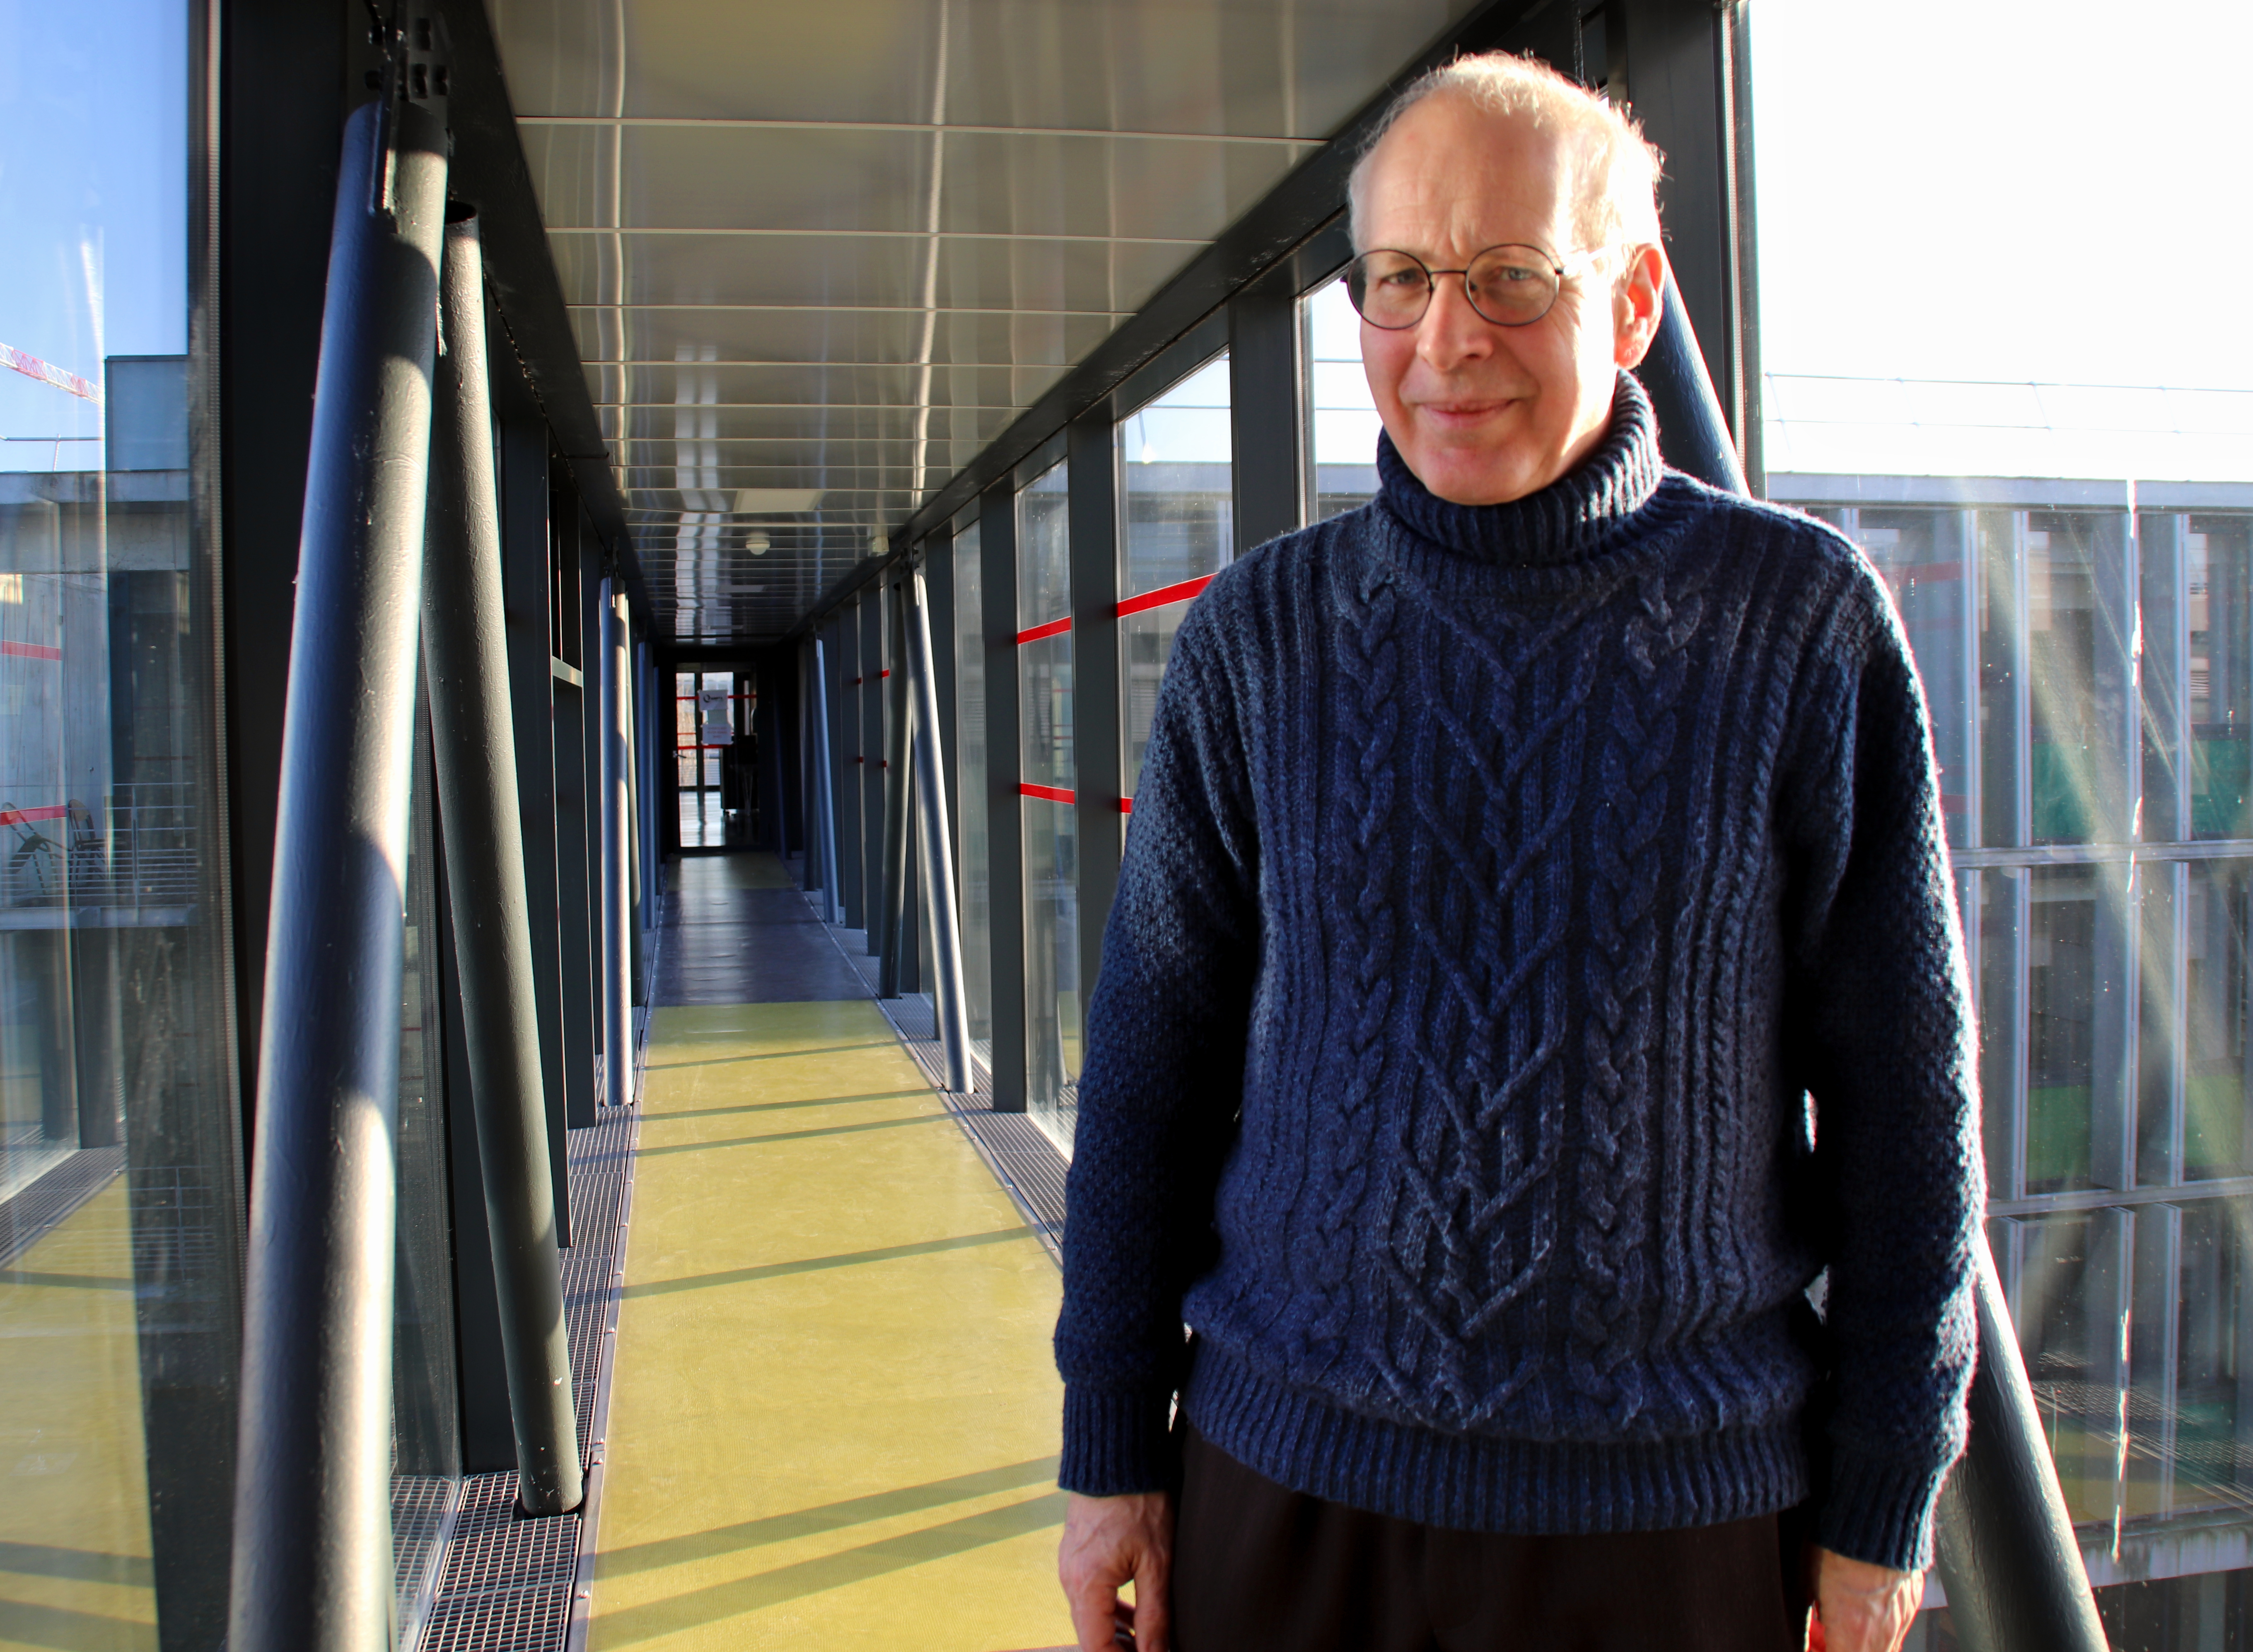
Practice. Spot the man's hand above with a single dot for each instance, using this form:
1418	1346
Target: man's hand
1860	1607
1106	1542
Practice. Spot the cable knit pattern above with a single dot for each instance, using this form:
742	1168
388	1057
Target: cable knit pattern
1367	714
1503	882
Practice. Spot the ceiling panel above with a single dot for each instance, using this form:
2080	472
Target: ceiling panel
1273	67
812	386
785	266
880	338
842	422
852	181
841	247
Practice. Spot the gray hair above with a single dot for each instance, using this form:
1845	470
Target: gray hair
1615	169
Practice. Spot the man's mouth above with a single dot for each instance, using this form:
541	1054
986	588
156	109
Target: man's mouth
1465	412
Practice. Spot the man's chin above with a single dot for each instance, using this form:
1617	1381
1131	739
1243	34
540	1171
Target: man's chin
1476	479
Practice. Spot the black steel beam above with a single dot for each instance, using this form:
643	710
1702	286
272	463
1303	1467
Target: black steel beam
1267	439
1005	812
528	588
1092	511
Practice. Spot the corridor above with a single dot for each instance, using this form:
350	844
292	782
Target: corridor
834	1416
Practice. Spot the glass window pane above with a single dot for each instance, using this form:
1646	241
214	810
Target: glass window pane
1925	558
1044	711
1044	694
2209	1010
974	851
2077	968
2218	585
1179	510
1044	549
1341	422
121	1205
2079	668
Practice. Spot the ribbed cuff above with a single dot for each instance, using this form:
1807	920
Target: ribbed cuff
1878	1509
1115	1443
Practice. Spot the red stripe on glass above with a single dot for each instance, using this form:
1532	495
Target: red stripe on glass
1164	594
29	651
1054	628
52	812
1052	794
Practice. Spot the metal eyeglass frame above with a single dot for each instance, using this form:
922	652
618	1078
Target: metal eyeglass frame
1560	269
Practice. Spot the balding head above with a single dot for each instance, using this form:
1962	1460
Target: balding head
1615	169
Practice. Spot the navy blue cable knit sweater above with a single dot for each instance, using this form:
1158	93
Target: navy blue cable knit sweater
1533	961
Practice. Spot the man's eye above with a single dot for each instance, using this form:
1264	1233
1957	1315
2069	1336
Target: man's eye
1401	278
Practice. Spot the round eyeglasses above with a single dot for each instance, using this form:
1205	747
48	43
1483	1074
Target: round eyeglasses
1511	286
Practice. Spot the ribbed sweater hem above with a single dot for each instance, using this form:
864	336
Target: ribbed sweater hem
1479	1483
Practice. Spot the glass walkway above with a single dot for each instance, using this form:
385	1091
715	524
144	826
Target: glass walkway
833	1422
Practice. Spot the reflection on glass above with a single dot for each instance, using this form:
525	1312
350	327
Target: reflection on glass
425	1406
1924	558
1994	934
121	1208
2073	1314
2218	603
1180	527
1341	422
1052	965
2002	717
2077	973
1044	694
1044	713
974	849
2211	1050
1044	549
2078	667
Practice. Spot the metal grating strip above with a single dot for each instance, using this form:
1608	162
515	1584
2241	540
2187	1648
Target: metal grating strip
30	1213
1019	1153
511	1583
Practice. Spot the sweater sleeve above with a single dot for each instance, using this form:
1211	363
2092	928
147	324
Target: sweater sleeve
1162	1079
1886	1046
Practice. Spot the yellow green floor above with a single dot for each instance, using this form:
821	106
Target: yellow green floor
834	1413
74	1555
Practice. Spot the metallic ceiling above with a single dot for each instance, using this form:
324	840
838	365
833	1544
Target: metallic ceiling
818	256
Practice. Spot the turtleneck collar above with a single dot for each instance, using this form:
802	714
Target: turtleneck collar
1577	514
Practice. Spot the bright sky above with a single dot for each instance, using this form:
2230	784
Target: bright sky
93	201
2053	190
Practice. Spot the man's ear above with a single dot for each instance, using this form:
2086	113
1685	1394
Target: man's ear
1637	300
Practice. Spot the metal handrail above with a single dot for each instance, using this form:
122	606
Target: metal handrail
312	1530
473	742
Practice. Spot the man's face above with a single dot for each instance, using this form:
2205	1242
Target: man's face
1485	414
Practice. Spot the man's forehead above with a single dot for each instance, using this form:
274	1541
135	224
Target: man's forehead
1449	167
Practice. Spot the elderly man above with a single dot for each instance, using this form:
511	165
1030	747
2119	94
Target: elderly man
1533	965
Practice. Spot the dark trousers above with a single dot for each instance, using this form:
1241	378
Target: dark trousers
1258	1568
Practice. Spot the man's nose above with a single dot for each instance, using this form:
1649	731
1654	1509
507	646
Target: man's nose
1451	331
